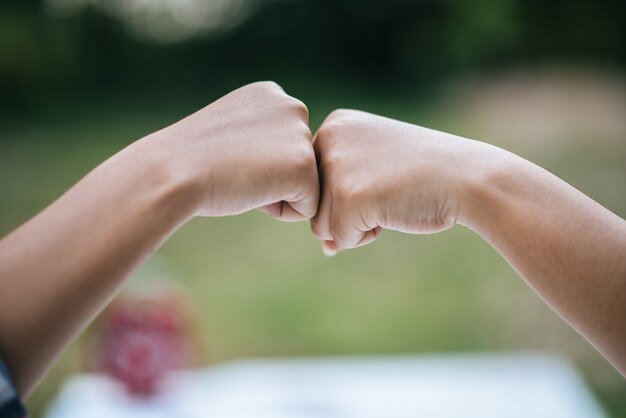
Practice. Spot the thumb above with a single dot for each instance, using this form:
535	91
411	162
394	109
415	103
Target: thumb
329	248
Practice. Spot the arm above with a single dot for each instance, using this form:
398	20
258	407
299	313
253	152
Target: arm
379	173
570	249
250	149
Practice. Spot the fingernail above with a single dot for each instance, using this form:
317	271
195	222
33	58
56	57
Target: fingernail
328	250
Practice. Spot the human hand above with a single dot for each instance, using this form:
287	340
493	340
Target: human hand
380	173
250	149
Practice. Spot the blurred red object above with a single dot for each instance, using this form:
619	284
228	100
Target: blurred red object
142	338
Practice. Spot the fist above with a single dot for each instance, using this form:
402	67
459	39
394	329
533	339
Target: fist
250	149
379	173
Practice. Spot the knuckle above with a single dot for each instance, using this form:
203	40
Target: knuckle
342	117
335	149
325	132
268	85
342	195
328	139
331	158
339	114
339	123
262	91
305	131
265	89
300	108
324	136
304	160
296	112
346	193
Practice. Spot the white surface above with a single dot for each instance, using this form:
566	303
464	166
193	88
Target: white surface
468	386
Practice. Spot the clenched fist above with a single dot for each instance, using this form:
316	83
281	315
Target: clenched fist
250	149
380	173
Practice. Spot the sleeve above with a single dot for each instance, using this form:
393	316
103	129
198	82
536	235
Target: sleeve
10	404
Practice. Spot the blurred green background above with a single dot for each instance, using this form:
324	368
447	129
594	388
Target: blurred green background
80	79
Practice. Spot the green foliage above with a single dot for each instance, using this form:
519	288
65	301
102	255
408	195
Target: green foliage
395	41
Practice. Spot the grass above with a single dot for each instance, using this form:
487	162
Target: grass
263	288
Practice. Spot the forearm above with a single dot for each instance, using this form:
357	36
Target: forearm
58	270
250	149
380	173
570	249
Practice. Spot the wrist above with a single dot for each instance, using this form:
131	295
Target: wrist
490	174
173	189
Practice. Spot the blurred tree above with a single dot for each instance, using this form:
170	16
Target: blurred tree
44	52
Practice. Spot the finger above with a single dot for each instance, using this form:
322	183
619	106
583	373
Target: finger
275	210
306	177
320	224
283	211
349	229
369	236
271	209
303	206
329	248
307	204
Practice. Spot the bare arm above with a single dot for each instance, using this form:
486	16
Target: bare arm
250	149
380	173
570	249
58	270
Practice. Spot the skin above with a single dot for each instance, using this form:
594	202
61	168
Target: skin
250	149
379	173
